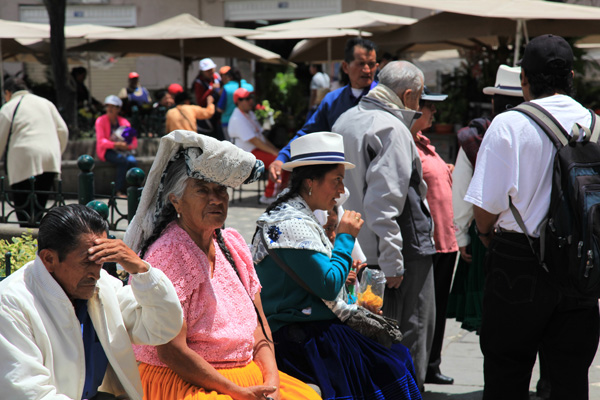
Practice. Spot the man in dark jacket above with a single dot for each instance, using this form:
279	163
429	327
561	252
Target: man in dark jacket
360	64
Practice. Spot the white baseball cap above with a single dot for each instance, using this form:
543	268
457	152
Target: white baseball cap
206	64
113	100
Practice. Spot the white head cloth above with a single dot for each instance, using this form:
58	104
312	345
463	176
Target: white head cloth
209	159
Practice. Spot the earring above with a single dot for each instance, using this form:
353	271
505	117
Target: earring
178	215
310	191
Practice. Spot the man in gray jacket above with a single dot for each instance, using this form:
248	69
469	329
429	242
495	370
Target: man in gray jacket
387	188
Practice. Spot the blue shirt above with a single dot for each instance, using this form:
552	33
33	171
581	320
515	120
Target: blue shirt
333	105
95	358
226	103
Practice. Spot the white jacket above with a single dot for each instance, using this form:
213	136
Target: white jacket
41	348
463	211
39	136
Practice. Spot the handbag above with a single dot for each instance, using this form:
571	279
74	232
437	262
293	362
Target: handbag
383	330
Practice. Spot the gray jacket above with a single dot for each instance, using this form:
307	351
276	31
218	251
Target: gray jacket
387	185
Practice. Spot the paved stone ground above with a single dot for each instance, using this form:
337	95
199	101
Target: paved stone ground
461	356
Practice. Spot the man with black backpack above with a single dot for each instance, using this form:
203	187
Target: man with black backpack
532	296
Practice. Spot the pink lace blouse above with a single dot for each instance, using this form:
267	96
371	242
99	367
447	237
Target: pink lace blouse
439	195
219	312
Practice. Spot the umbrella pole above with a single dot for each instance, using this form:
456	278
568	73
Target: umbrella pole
1	73
89	77
525	33
518	40
182	61
329	63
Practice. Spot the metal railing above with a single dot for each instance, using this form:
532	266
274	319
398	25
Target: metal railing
32	210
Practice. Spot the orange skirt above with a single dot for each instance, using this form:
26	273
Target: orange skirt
161	383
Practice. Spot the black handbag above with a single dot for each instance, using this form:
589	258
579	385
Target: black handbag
383	330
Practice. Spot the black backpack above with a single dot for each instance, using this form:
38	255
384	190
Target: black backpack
570	236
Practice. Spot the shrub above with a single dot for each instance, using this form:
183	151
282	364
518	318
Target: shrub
23	249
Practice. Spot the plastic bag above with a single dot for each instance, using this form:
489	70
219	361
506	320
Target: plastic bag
371	289
352	292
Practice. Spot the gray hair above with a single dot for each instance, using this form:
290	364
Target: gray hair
401	76
175	180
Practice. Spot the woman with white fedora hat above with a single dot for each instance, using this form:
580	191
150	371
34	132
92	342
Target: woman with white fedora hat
300	271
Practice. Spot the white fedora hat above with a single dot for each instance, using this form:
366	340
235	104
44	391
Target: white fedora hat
508	82
317	148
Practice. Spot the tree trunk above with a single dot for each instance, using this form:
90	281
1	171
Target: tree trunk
64	84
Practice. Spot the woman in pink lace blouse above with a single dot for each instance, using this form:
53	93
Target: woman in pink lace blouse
224	350
438	176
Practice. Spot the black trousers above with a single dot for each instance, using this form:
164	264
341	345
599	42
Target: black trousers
43	182
443	268
523	310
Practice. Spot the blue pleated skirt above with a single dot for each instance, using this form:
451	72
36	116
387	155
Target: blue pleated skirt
345	364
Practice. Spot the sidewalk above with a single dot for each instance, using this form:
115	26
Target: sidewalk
461	356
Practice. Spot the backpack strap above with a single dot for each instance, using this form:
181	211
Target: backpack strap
594	128
539	256
286	267
553	129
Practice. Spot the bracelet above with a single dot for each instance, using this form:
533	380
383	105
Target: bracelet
481	234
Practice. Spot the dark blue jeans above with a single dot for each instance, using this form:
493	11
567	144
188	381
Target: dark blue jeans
523	311
124	163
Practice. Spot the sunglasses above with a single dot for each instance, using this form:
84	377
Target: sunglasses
246	98
426	104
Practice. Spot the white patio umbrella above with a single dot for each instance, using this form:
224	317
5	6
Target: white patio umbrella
492	17
74	35
305	34
10	30
360	20
325	37
321	44
180	36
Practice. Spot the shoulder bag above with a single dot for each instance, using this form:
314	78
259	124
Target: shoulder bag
9	134
383	330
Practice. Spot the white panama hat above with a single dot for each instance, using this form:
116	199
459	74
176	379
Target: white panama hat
317	148
508	82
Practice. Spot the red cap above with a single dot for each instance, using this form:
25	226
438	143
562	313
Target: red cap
133	75
175	88
240	93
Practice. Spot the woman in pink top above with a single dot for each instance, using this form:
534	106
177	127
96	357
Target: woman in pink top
110	144
224	350
438	176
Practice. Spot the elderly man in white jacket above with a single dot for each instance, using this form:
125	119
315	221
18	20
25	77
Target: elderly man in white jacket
33	137
66	326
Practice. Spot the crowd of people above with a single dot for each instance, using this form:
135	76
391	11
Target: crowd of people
205	315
